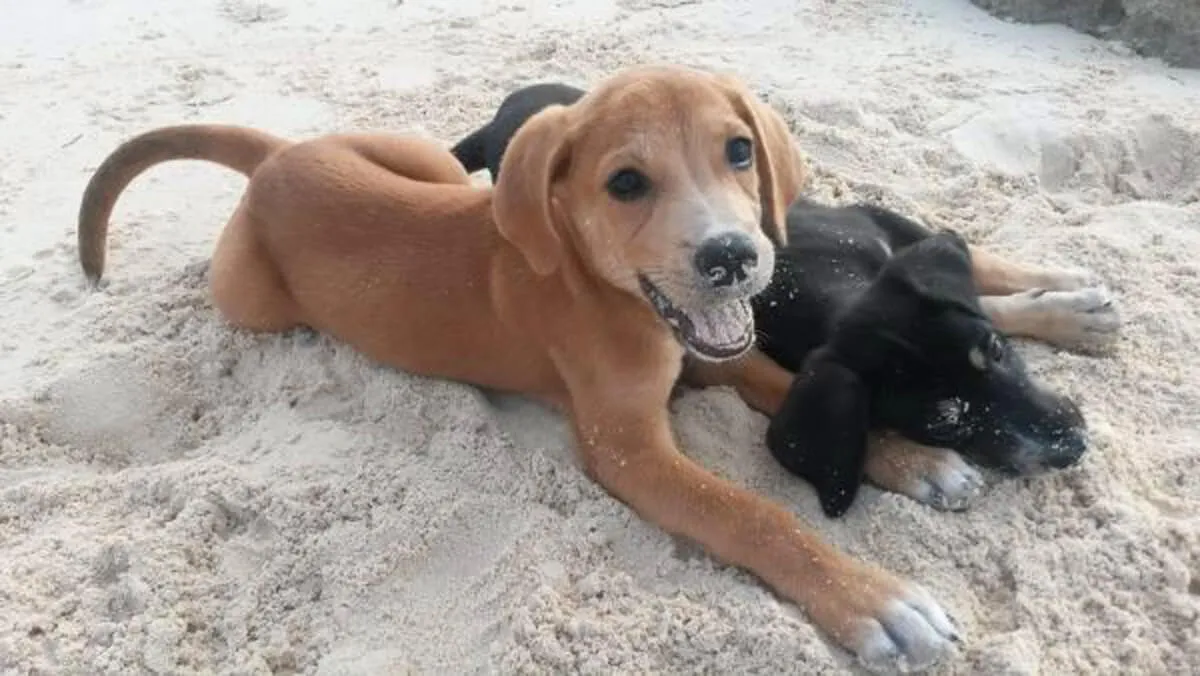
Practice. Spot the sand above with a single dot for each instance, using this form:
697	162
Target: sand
177	497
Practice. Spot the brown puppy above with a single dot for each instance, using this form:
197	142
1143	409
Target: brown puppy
625	231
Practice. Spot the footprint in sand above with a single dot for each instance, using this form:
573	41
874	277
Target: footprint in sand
246	12
119	413
1152	158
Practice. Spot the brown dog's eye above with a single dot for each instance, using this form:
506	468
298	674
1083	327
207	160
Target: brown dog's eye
627	185
740	152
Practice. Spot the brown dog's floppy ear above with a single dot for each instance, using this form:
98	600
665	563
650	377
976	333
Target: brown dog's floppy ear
522	201
782	174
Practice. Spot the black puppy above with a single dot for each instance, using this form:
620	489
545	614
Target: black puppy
486	146
880	318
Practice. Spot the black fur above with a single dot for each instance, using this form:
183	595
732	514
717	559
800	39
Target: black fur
486	146
879	317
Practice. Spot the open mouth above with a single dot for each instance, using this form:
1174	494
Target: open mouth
719	333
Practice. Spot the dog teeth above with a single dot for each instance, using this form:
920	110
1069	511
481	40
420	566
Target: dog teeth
723	326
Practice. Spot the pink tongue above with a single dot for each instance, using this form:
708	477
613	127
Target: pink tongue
724	326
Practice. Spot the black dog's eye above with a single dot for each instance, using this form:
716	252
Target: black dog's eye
991	351
740	152
627	185
995	348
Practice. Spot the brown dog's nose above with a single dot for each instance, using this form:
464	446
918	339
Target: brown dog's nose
726	259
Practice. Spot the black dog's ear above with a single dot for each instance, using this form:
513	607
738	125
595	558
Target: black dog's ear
938	268
820	433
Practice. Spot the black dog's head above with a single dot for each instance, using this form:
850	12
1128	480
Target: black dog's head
915	354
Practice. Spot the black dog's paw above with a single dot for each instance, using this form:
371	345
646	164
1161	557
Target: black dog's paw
949	484
1083	320
1071	279
933	476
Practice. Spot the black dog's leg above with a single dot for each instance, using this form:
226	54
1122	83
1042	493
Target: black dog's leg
1083	320
1064	308
997	276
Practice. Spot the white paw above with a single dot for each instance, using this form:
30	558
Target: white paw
948	484
910	633
1085	319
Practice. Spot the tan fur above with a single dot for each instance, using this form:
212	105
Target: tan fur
381	242
899	465
757	379
998	276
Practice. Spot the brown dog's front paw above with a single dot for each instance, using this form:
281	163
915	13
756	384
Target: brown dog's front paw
890	625
910	633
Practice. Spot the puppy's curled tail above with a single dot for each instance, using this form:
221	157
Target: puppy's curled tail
239	148
469	151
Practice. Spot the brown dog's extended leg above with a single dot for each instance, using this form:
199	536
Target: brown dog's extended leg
872	613
937	477
618	407
759	381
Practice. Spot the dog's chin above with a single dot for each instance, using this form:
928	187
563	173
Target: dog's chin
718	333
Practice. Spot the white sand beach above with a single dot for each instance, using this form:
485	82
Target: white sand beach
179	497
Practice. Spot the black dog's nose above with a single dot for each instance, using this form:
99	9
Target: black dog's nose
1071	442
726	259
1067	450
